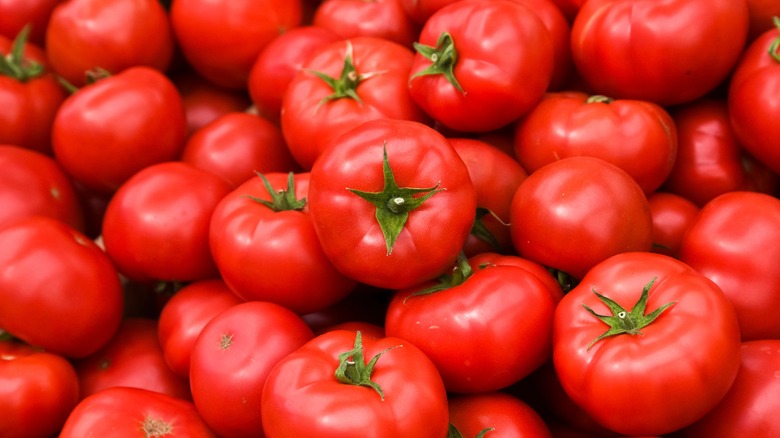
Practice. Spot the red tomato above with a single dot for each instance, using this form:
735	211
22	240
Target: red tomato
132	358
37	391
573	213
751	405
238	145
134	413
475	326
34	184
344	84
107	131
205	101
184	316
499	413
761	16
753	101
638	136
222	40
156	226
710	159
485	259
668	52
392	203
421	10
481	64
379	18
16	15
642	329
48	266
672	216
232	358
266	248
385	388
735	241
115	35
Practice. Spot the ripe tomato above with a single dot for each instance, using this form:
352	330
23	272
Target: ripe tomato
672	216
642	329
495	413
340	382
668	52
421	10
392	203
481	64
205	101
762	13
379	18
35	13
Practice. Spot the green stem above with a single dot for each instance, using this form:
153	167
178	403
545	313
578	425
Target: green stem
353	369
443	57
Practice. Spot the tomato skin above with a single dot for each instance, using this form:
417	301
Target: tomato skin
85	34
679	49
672	216
107	131
734	242
156	225
562	217
134	412
506	414
205	101
761	13
380	18
37	391
504	65
346	224
490	258
16	15
301	396
625	381
232	358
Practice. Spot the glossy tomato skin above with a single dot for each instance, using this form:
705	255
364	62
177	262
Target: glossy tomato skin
87	34
37	390
381	18
761	16
346	224
625	381
47	266
156	225
672	216
302	397
504	65
16	15
505	414
735	241
132	412
640	137
107	131
679	49
573	213
34	183
205	101
222	40
485	259
750	405
232	358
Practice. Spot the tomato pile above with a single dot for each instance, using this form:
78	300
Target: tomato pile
390	218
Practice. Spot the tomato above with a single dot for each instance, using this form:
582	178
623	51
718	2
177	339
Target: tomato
735	241
205	101
672	216
86	34
642	329
668	52
277	63
37	391
750	406
392	203
107	131
222	40
421	10
638	136
485	259
156	225
134	413
265	246
710	159
480	64
573	213
132	358
484	328
29	94
495	177
344	84
752	98
232	359
495	413
761	16
379	18
183	317
35	13
48	266
340	382
34	184
238	145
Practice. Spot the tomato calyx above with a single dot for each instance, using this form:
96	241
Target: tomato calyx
443	58
394	203
774	48
155	427
353	369
345	86
15	65
453	432
457	276
622	321
598	98
281	200
481	232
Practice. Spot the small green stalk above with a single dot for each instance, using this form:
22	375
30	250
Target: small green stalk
15	65
457	276
353	369
281	200
773	48
453	432
443	58
345	86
